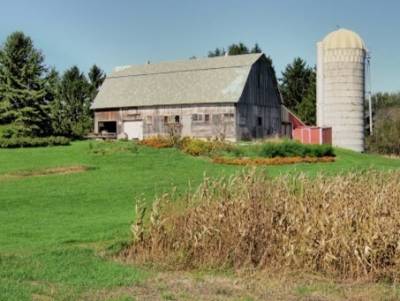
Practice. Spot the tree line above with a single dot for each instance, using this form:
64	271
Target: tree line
38	101
297	83
385	137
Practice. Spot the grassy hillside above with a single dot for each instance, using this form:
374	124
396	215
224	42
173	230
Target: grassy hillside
56	230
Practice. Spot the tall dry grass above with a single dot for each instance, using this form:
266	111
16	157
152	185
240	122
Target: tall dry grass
346	226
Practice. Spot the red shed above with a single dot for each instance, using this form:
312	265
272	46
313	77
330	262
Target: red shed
313	135
293	127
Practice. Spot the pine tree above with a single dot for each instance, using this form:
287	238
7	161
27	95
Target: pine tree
236	49
96	77
306	109
56	107
295	82
71	109
256	49
23	103
52	82
216	52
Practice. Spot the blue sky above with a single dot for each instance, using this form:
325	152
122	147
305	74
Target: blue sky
121	32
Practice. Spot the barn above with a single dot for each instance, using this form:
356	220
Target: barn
233	97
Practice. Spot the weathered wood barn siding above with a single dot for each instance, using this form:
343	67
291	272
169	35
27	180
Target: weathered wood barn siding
220	121
259	107
234	97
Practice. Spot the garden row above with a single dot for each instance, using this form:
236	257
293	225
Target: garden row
266	153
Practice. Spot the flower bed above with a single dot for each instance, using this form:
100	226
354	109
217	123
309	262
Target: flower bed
267	153
157	142
271	161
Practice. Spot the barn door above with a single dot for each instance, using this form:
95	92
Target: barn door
134	129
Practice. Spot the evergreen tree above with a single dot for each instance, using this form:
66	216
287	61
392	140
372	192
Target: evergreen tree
23	103
295	83
71	109
306	109
52	81
256	49
56	107
96	77
236	49
216	52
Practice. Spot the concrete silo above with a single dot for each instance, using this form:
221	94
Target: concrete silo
341	58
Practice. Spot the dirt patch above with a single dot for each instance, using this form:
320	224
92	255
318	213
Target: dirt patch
43	172
395	157
248	287
179	286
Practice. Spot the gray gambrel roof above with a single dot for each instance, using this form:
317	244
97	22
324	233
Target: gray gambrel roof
206	80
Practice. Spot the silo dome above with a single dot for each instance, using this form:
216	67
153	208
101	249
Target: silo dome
343	38
341	88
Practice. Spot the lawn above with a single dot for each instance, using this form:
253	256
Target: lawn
57	231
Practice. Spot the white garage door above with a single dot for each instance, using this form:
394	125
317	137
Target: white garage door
134	129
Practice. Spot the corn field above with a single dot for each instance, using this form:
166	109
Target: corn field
346	226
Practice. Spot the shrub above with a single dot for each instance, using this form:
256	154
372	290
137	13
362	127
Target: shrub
157	142
183	142
295	149
197	147
16	142
345	226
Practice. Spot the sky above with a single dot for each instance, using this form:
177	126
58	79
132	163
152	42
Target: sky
124	32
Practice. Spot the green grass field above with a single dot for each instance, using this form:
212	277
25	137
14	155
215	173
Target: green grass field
57	231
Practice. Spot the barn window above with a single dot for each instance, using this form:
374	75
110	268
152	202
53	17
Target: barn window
207	118
134	116
197	117
107	126
177	119
259	121
165	119
229	116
